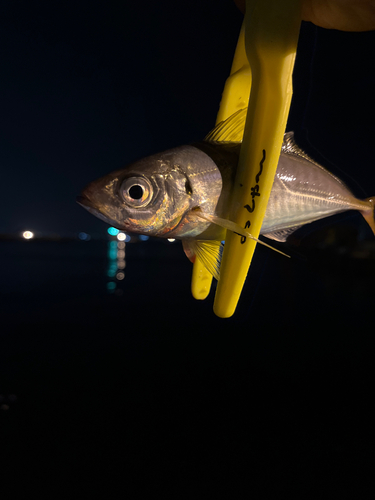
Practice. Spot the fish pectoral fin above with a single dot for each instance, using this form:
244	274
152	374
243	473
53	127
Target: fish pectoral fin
282	234
229	130
209	252
234	227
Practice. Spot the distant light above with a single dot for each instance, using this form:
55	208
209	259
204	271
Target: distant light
28	235
120	276
112	269
121	264
128	238
171	240
121	245
84	236
121	236
120	254
112	231
112	253
143	237
111	285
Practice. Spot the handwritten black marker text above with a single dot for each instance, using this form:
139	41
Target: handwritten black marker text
254	191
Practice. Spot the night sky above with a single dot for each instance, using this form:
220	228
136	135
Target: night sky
87	87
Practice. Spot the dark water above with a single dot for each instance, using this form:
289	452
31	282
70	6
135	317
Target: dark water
137	388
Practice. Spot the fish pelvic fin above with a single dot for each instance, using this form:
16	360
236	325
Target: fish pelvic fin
234	227
209	252
369	214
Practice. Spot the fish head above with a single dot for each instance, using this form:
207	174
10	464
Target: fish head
150	196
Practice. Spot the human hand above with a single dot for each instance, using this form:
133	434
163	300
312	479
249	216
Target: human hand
344	15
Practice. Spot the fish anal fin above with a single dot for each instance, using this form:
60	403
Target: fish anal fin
209	252
282	234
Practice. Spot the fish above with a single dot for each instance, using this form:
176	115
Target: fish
184	193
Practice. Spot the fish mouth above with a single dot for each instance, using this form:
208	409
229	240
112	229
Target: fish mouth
92	208
84	202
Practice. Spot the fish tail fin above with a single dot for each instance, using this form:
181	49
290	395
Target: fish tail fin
369	214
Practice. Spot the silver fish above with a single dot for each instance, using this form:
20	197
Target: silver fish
184	193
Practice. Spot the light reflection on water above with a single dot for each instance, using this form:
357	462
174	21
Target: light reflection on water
116	262
116	252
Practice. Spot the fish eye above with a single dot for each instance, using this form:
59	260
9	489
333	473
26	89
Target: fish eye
136	191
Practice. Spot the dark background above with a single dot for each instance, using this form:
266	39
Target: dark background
139	390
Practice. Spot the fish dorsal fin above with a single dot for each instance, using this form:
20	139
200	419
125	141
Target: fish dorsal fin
282	234
290	147
209	252
229	130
